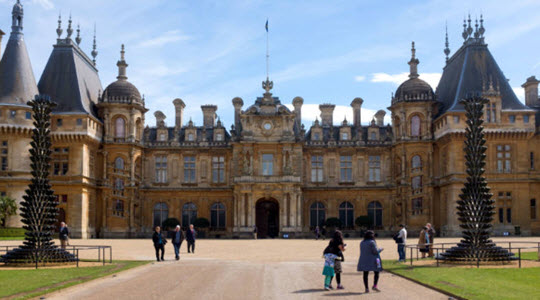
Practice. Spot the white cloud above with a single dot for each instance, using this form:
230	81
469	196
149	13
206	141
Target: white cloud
397	79
166	38
311	111
520	93
359	78
46	4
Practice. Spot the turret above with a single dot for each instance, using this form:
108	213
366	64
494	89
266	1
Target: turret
531	91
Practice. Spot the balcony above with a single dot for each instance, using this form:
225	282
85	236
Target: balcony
267	179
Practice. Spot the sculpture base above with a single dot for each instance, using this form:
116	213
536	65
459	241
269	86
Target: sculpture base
467	253
24	256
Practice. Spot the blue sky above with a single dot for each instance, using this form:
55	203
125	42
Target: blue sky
208	52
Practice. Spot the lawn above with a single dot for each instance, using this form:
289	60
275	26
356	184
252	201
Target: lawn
11	238
473	283
24	284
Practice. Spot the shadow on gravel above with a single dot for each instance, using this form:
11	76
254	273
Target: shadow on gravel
308	291
343	294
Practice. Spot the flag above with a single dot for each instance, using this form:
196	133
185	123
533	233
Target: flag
266	26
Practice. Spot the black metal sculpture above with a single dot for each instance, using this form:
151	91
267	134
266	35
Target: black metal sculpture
39	207
475	209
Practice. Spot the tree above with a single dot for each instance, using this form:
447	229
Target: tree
333	222
39	205
170	223
8	208
363	222
201	223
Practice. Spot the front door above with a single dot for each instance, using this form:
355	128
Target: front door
267	218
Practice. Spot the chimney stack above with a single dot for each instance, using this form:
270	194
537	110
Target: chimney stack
179	112
237	103
297	103
379	116
209	115
327	114
160	118
531	91
1	35
356	105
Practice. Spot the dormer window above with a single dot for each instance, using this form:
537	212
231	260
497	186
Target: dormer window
59	122
491	113
12	114
512	118
316	136
191	137
344	136
525	119
219	137
373	136
28	115
456	119
162	137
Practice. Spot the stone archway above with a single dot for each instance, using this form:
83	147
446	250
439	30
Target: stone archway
267	218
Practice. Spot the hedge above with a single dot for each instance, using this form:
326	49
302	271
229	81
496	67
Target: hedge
12	232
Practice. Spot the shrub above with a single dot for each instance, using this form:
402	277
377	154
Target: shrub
170	223
8	208
201	223
362	221
12	232
333	222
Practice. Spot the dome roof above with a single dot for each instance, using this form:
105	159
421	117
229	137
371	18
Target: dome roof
122	89
412	88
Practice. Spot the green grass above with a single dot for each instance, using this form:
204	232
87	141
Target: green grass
31	283
472	283
12	238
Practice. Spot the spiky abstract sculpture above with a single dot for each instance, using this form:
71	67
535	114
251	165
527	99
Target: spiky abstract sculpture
39	209
475	209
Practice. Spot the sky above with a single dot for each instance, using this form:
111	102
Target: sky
208	52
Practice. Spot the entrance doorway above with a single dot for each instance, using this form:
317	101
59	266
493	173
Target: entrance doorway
267	218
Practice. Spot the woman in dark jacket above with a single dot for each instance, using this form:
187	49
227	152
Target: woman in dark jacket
370	260
159	243
337	246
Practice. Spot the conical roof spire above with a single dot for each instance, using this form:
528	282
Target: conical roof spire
59	30
446	44
69	29
413	63
78	38
94	47
122	65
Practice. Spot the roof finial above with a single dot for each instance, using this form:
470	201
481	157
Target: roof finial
94	47
476	33
17	18
413	63
464	34
69	30
59	29
469	28
122	65
78	38
482	29
446	44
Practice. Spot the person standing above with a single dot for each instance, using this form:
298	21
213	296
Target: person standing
317	232
370	260
177	240
423	241
159	243
431	231
337	246
254	231
63	235
190	238
323	233
401	240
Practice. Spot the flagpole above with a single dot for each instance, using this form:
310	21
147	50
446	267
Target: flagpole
267	51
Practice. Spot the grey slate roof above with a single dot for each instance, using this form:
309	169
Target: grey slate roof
17	82
332	133
152	136
471	70
71	79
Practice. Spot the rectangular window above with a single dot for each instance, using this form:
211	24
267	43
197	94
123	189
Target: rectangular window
4	156
504	159
345	168
531	158
316	136
456	119
118	208
218	169
12	114
79	122
417	185
491	113
375	168
161	169
512	118
345	136
504	203
317	168
60	159
417	206
268	164
59	122
189	169
533	209
526	119
28	115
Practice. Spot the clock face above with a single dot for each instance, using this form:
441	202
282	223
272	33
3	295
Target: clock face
267	126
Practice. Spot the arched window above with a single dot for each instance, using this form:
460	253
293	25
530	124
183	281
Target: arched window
119	163
120	128
375	213
346	214
415	126
416	163
138	128
119	187
189	214
118	208
317	214
217	216
161	213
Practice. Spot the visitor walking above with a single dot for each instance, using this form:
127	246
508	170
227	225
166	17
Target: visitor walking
337	246
64	235
323	233
177	240
159	243
423	242
370	260
431	232
254	231
401	241
317	232
328	270
190	238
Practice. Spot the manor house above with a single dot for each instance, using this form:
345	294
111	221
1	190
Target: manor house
117	177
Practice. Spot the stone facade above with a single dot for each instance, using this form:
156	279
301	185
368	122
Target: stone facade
114	177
